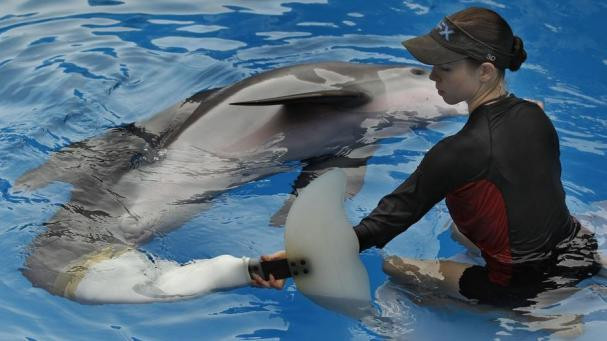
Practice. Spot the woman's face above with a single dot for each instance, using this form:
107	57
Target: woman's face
456	81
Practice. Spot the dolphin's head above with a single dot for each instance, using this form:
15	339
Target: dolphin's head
407	92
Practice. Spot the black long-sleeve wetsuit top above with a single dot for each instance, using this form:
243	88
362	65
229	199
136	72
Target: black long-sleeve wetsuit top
501	178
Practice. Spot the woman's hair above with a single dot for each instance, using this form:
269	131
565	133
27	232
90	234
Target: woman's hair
490	28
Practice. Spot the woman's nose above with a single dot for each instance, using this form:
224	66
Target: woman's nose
433	75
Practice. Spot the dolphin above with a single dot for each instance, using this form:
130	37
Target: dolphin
147	178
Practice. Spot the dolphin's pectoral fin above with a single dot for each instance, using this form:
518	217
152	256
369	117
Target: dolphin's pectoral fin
355	169
349	98
354	165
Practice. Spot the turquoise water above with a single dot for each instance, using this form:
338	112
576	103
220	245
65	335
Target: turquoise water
71	69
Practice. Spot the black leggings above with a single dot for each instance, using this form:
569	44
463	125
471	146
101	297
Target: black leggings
571	263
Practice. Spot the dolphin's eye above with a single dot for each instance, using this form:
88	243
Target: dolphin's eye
418	72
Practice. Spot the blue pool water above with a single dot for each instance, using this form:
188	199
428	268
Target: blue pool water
71	69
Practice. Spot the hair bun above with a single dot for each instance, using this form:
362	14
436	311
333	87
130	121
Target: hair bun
518	54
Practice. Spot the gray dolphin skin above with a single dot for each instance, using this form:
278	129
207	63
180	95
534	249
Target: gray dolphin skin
150	177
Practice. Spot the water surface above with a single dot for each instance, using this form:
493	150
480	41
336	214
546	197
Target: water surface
71	69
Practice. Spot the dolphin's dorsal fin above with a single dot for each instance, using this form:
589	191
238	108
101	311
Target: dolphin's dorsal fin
342	97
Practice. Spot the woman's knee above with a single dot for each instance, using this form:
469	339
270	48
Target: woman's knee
440	275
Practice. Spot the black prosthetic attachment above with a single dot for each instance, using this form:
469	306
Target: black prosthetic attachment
282	268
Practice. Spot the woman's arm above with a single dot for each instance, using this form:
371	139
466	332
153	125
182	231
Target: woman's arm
450	164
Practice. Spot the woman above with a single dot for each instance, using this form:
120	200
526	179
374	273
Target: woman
500	176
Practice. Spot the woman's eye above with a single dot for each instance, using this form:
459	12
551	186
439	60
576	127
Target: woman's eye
444	68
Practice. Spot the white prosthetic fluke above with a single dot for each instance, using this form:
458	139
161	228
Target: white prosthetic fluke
322	249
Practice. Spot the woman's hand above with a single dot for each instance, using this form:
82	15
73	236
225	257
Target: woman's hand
271	283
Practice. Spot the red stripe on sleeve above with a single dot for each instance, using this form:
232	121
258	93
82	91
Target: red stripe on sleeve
479	211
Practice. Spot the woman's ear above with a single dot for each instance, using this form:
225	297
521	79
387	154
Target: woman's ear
487	71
